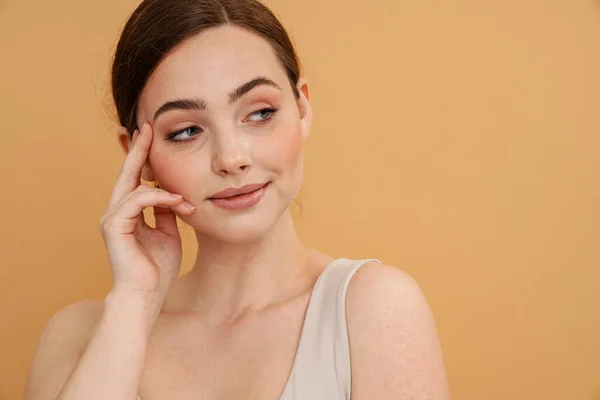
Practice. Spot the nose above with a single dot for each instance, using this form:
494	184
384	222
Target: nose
232	153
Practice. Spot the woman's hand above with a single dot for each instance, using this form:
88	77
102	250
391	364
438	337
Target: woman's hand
142	258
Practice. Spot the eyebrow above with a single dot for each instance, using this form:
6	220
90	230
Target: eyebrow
199	104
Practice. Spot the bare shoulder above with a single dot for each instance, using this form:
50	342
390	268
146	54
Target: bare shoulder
60	346
79	317
394	345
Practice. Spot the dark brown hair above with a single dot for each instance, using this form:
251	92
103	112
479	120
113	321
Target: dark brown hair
156	27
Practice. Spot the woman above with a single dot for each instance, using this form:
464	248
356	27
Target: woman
214	110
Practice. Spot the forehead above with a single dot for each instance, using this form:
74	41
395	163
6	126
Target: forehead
209	65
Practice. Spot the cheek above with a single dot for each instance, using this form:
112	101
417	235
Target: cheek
285	153
171	171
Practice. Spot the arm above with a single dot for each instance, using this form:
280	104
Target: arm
144	262
92	351
395	350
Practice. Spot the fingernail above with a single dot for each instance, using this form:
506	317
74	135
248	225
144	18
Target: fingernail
177	196
189	205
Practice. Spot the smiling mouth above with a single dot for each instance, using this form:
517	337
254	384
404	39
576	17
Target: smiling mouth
235	192
241	201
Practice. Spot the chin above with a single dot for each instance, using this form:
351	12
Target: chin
244	230
237	229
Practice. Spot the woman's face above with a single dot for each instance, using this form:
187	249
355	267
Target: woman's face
215	138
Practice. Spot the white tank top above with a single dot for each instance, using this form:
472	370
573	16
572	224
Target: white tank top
321	369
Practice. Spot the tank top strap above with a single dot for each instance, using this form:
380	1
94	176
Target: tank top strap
321	369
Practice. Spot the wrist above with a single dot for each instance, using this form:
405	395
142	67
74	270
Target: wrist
140	308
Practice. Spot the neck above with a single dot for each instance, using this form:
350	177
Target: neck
230	281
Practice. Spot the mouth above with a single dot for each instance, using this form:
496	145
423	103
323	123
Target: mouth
242	201
237	192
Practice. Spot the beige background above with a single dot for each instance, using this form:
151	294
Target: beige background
456	140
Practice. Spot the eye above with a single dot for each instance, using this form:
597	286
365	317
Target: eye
190	131
264	115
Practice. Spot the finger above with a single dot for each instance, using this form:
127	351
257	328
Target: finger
166	221
130	175
183	207
125	217
127	197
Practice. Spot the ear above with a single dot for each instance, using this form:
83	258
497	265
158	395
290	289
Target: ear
304	107
125	142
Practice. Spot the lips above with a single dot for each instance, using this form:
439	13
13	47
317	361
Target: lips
237	191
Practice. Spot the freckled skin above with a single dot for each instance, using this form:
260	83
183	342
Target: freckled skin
232	147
